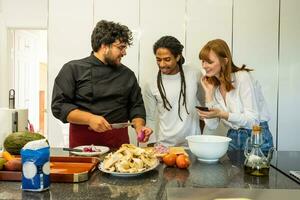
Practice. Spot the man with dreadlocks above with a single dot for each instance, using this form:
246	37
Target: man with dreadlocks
170	100
93	92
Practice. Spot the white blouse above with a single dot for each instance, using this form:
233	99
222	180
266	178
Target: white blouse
245	104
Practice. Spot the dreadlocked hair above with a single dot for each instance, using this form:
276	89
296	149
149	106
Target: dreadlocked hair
175	47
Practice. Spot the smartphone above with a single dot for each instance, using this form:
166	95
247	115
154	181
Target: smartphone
202	108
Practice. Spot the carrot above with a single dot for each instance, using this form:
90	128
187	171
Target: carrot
7	156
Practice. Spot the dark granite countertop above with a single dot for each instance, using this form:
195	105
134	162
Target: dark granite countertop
227	173
286	161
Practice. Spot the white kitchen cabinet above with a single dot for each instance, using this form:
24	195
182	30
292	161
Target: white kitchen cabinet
255	43
289	82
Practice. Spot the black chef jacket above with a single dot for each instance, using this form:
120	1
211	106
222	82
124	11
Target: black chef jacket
90	85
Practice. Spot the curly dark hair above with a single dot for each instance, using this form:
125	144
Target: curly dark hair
107	32
175	47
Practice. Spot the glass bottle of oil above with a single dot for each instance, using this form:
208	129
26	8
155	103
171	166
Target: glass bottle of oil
256	163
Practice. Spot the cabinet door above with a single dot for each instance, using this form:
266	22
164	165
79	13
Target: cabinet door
289	82
206	20
158	18
255	43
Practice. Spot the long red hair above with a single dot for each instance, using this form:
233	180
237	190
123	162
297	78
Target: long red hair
221	49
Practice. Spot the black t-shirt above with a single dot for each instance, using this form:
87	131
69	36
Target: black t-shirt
90	85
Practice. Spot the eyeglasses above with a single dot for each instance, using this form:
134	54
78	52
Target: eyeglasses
121	48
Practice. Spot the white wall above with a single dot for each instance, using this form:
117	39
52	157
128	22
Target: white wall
251	28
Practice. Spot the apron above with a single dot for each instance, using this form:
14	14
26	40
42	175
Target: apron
81	135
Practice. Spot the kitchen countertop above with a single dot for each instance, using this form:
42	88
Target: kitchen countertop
286	161
227	173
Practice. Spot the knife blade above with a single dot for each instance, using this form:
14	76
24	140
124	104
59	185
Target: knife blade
121	125
71	149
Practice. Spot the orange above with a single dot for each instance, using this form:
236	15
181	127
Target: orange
182	161
170	159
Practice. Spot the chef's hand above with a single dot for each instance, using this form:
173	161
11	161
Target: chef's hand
99	124
143	133
212	113
146	132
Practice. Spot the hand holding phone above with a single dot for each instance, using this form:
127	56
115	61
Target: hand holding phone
202	108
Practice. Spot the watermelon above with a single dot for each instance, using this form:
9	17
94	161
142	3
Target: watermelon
14	142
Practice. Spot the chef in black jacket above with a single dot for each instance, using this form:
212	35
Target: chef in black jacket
96	91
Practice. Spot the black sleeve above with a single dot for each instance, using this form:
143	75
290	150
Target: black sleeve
136	103
63	93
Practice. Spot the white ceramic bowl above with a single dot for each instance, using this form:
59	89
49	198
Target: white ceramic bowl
208	148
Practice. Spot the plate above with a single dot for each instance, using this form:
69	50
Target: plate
122	174
103	149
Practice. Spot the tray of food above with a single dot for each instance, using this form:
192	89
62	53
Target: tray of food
62	168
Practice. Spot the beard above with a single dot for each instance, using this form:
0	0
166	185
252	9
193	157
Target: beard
111	61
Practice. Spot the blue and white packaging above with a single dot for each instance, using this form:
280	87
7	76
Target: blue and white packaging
36	166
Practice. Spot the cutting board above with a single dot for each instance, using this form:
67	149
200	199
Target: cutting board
62	169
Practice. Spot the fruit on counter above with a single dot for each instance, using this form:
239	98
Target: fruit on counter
7	156
9	162
182	161
170	159
2	161
13	165
14	142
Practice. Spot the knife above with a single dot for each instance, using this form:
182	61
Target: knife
70	149
121	125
